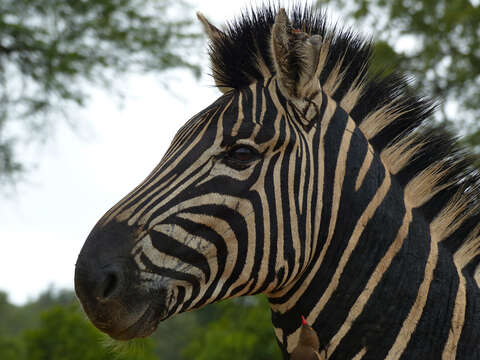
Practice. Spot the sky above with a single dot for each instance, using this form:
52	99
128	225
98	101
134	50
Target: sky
79	176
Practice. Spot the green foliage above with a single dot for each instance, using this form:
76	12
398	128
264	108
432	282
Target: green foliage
51	49
442	51
9	166
53	327
174	334
232	329
65	333
16	319
242	331
11	349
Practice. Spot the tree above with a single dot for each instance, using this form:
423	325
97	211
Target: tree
175	334
443	51
51	50
242	331
15	319
10	349
53	326
64	333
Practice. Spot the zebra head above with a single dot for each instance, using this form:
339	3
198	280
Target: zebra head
228	210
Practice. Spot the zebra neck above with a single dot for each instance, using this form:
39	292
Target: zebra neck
385	307
376	279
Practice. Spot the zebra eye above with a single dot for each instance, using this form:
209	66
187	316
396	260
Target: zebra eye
242	154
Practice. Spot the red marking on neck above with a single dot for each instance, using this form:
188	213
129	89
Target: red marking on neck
304	322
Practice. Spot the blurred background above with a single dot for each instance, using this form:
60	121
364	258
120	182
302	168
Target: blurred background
91	94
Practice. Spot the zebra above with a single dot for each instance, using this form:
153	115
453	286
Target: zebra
312	179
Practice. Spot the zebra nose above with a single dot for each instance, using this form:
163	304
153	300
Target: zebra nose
105	269
100	285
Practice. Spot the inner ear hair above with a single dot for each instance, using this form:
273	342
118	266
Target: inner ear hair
296	57
282	50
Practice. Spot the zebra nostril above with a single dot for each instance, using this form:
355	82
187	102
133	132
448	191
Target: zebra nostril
109	286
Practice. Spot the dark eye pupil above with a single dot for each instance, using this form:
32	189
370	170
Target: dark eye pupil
242	153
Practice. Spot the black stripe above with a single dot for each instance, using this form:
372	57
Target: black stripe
169	273
468	345
272	205
267	131
431	334
288	249
174	248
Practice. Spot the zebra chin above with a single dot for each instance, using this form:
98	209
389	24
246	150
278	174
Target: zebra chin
144	325
110	287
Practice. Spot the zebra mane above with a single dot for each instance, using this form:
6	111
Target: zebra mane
437	175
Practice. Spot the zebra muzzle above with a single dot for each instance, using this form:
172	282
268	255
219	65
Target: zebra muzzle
106	283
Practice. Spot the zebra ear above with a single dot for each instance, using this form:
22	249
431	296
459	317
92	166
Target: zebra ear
211	30
215	35
296	58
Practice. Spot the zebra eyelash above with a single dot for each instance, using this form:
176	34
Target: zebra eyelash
232	157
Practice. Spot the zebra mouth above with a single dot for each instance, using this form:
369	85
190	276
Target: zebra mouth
147	321
145	325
